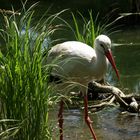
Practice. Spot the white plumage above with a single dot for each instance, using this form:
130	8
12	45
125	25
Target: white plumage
81	63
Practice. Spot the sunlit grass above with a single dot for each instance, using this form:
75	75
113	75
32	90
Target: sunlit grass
25	93
88	33
86	29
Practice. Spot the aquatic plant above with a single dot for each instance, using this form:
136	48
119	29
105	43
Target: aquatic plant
87	29
87	34
24	90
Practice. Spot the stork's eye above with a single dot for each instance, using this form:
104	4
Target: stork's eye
102	45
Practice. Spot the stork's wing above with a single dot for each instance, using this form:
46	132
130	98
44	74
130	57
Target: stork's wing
72	58
72	49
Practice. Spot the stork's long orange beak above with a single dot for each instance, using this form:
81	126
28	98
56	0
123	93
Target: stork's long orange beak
112	61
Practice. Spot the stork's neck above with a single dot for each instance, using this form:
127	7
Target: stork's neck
100	64
100	59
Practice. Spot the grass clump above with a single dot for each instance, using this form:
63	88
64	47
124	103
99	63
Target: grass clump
25	93
87	34
87	29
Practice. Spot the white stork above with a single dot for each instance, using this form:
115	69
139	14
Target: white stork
81	63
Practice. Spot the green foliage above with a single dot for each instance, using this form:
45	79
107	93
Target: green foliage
88	33
25	93
89	28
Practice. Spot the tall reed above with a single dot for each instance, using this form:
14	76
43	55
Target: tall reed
87	34
86	29
24	90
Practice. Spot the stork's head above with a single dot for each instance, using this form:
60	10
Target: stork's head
103	45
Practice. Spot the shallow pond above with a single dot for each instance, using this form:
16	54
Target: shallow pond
111	123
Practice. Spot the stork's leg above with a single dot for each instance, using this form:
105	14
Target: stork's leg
87	118
60	119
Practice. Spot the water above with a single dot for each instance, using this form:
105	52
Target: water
127	58
111	123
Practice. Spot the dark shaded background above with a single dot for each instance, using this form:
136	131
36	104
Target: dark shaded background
99	6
